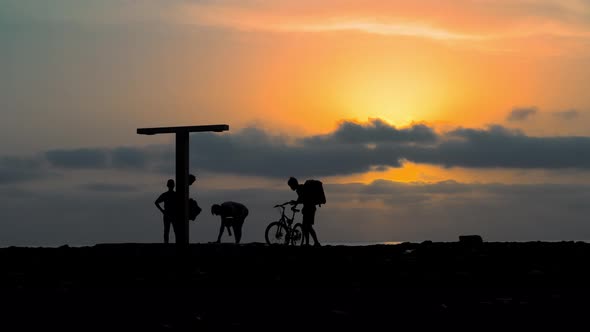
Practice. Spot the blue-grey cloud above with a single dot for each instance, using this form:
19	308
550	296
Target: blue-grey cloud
499	147
521	114
128	157
375	131
253	151
567	115
492	147
19	169
78	158
93	158
109	187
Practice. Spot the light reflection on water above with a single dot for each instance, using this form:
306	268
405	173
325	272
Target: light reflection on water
357	244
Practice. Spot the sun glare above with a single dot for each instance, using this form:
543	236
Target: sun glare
399	100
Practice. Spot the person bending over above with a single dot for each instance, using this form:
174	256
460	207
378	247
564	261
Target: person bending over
232	215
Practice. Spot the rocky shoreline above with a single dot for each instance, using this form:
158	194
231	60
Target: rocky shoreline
466	286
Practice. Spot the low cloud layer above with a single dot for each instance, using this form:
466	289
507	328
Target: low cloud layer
18	169
380	211
350	149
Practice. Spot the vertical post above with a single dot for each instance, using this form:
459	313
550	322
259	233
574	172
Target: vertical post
181	224
182	167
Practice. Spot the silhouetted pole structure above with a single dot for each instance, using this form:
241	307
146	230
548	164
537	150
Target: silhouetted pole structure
182	168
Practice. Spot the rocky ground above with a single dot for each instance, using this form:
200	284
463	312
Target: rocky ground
134	287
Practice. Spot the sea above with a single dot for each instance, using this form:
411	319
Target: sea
359	244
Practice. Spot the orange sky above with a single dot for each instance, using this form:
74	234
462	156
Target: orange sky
296	67
466	63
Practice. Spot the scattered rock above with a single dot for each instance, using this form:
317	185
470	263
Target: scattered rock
471	240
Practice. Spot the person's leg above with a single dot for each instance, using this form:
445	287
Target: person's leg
175	227
306	224
314	236
228	222
305	229
311	231
166	229
237	232
221	229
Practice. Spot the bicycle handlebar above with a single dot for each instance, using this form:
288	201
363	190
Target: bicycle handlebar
287	203
283	205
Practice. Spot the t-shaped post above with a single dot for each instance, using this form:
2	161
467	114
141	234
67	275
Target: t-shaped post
182	167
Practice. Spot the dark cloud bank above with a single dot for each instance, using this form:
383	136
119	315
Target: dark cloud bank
351	148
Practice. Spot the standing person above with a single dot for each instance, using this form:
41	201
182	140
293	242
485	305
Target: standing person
232	214
305	197
169	211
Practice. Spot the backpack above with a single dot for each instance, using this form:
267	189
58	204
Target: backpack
193	209
315	191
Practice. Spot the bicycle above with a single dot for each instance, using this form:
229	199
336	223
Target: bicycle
281	232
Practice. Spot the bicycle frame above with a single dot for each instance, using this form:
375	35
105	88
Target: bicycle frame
292	232
284	218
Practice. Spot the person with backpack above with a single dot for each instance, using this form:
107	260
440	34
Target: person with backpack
310	194
169	199
232	215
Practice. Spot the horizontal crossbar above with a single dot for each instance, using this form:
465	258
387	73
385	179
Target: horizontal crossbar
184	129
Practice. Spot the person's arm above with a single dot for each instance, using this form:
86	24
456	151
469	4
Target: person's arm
157	202
300	195
297	202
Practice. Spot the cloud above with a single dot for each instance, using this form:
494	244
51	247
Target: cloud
19	169
498	147
94	158
336	154
254	152
567	115
128	157
385	29
109	187
350	149
79	158
521	114
375	131
471	21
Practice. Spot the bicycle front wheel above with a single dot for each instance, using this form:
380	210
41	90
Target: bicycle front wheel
276	233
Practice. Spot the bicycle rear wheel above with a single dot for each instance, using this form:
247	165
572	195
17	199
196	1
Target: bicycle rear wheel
297	235
276	233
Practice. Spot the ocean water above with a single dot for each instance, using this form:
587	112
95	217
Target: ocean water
372	243
358	244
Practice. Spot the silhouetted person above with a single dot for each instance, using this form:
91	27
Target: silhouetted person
193	207
232	214
308	211
169	211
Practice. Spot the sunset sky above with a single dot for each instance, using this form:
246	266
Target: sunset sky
424	119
